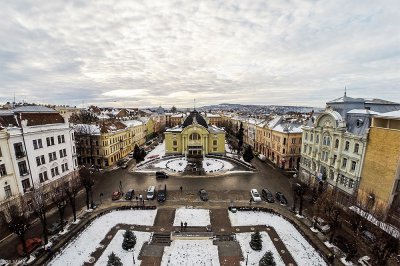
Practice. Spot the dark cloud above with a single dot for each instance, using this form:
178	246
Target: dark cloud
140	53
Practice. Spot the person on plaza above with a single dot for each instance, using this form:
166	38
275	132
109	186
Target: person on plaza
181	188
185	225
250	201
181	226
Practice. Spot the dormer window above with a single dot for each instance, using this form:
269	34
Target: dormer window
359	122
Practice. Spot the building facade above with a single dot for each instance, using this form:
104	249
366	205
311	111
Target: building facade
380	180
195	137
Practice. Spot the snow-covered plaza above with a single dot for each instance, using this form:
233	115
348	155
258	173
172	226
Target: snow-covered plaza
105	235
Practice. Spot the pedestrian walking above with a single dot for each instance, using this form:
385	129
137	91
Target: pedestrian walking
185	225
250	201
181	226
181	188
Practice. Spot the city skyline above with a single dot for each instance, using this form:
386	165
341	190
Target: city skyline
141	54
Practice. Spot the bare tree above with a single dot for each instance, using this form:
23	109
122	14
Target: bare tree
87	181
84	117
60	199
17	221
71	190
39	207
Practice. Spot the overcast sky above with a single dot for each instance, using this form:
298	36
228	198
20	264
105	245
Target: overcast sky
161	52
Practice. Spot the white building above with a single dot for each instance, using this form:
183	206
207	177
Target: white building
41	145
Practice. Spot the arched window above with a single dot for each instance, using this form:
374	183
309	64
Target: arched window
336	143
194	136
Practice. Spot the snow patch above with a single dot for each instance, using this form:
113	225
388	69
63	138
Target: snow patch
193	217
190	252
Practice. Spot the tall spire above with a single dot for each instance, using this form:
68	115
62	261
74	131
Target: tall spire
345	91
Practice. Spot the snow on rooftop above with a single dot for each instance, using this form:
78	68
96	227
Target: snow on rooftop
88	129
193	217
190	252
78	251
132	123
393	114
302	252
288	128
362	111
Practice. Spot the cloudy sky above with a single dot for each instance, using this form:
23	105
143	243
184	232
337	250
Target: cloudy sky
161	52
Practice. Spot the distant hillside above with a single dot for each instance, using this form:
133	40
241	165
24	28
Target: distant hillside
259	109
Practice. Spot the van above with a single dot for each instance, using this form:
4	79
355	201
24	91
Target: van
161	174
150	192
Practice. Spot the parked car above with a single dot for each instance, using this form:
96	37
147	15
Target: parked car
130	155
368	237
161	174
255	196
281	198
31	245
342	243
203	195
116	195
150	192
321	225
262	157
54	228
125	165
365	261
129	195
161	195
267	195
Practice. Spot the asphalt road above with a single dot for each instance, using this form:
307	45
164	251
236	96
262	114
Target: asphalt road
109	181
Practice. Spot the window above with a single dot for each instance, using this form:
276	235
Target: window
50	141
356	147
23	170
317	139
346	146
284	141
73	137
37	144
175	149
351	183
326	141
334	158
215	142
306	137
311	137
336	143
353	165
54	171
293	141
174	143
1	153
3	170
43	177
64	167
26	184
40	160
19	150
61	139
194	136
7	191
344	163
215	149
309	150
52	156
63	153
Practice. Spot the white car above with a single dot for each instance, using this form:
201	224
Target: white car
255	196
365	261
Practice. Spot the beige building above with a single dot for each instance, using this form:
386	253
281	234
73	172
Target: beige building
380	180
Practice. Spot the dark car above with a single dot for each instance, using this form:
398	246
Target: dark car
55	227
203	195
31	245
129	195
368	237
343	244
116	195
161	174
281	198
161	195
267	195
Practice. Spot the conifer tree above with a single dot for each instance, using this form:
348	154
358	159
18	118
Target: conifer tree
256	242
113	260
267	259
129	240
248	154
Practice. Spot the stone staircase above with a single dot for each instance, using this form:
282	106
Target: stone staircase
161	239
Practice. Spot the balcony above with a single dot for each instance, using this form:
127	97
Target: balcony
20	154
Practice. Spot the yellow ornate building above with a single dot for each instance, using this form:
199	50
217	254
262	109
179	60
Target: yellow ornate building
195	137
